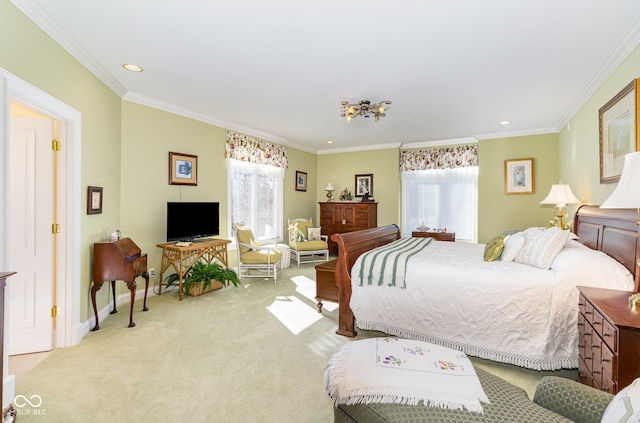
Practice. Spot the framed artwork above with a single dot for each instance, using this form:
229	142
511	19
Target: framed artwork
94	200
518	176
183	169
619	133
301	181
364	184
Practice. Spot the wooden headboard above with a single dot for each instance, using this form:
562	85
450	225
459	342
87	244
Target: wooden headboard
612	231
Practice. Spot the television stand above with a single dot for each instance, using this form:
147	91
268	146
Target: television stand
182	258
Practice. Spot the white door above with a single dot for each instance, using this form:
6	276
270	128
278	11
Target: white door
31	241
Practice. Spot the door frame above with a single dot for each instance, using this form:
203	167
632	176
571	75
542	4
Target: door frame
68	328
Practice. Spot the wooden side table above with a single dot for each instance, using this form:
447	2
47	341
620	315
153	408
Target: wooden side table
439	236
326	288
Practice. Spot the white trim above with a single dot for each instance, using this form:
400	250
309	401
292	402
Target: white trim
361	148
69	257
429	144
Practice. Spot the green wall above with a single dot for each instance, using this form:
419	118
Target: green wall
498	211
579	147
148	135
30	54
340	169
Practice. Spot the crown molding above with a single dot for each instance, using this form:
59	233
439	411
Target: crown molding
523	133
357	149
438	143
53	30
629	42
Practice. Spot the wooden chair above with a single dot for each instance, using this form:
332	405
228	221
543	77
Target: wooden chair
299	233
254	260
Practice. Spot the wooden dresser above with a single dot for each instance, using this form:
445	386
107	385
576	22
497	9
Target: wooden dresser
341	217
609	339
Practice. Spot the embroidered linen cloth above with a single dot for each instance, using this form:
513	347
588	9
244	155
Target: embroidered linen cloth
395	370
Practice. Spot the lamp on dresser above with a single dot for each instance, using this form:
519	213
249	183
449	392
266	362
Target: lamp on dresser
560	196
627	194
329	190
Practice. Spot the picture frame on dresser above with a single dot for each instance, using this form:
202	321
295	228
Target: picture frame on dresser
364	184
619	131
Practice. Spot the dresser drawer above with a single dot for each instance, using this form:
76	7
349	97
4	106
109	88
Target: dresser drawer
584	373
610	335
609	362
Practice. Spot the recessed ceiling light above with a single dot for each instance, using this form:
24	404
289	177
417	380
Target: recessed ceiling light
505	122
131	67
329	142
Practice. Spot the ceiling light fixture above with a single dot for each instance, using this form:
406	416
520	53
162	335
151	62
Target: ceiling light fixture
364	108
505	122
131	67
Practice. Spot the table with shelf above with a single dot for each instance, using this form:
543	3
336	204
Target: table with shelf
182	258
439	236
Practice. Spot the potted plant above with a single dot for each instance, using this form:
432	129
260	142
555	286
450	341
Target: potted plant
203	277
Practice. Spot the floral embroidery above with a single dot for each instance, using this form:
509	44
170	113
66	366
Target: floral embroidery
248	149
439	158
392	360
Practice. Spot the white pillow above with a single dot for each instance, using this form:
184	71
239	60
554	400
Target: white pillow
512	246
313	234
625	406
542	247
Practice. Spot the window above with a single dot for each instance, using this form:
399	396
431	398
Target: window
441	198
255	198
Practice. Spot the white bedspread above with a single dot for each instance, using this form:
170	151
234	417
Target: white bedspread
506	312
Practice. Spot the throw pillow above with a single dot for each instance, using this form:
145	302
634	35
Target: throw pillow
255	243
494	248
313	234
512	246
542	247
625	406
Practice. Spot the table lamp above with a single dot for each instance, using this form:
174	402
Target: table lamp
627	195
329	190
560	195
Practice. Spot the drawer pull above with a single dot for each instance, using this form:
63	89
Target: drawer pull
587	358
605	334
580	324
604	360
595	372
595	323
604	388
581	375
588	312
586	334
595	346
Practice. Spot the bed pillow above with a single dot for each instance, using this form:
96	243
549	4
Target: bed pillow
625	406
542	247
493	249
313	234
512	246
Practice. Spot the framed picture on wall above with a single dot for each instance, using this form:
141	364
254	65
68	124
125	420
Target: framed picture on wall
183	169
518	176
94	200
364	184
301	181
619	132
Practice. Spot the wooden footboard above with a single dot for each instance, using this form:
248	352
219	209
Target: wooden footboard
350	246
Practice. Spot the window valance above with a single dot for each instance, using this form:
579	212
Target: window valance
439	158
253	150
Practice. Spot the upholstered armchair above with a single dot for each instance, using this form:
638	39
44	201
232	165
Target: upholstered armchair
306	241
254	260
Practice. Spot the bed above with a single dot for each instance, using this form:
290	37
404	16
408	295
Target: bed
503	311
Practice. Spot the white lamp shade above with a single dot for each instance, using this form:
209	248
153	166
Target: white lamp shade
627	193
329	187
560	195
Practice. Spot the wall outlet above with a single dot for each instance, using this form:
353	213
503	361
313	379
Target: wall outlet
152	272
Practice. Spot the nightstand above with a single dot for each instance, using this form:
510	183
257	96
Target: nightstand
326	288
439	236
608	339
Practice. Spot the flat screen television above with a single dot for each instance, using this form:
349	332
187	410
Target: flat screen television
190	221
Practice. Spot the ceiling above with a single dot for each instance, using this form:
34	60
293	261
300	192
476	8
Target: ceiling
278	70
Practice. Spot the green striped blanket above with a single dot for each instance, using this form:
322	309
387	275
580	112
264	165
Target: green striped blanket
387	265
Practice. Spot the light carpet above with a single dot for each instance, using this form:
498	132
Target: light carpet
256	353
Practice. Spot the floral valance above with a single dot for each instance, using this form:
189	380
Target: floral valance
248	149
439	158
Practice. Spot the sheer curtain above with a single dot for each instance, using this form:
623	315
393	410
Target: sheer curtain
255	198
441	198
